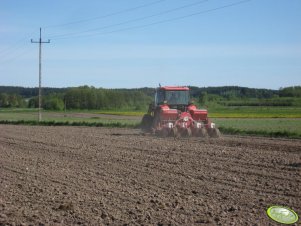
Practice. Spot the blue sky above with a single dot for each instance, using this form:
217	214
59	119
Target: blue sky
139	43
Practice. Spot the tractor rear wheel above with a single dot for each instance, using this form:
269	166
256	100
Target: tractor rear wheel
146	123
164	132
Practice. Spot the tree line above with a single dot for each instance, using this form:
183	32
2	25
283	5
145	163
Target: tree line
224	91
86	97
12	100
89	97
242	96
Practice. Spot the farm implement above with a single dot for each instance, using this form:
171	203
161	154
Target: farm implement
172	114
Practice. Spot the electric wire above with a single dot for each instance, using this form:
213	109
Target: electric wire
16	44
156	22
133	20
107	15
14	57
12	48
81	34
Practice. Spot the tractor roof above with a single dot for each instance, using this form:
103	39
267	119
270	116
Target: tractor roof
175	88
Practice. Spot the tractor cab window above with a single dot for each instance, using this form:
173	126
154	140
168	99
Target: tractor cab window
172	97
177	97
160	97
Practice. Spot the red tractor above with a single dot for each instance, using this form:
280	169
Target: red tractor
172	114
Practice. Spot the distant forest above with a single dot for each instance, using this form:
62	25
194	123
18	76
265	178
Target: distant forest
88	97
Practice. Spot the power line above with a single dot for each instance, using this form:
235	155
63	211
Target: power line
15	45
40	71
133	20
107	15
21	47
13	58
159	22
13	50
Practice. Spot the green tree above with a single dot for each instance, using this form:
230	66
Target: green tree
4	100
33	102
203	98
294	91
53	103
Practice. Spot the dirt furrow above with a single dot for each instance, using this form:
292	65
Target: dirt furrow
102	176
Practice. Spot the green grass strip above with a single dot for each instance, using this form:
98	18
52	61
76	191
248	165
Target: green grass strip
283	134
121	113
67	123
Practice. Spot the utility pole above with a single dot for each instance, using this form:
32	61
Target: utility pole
40	71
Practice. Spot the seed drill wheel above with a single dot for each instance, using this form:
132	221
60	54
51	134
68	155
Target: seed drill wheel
176	132
202	132
214	132
187	132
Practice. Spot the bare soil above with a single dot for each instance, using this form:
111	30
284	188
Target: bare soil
101	176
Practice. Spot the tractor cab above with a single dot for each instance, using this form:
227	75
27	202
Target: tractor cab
174	97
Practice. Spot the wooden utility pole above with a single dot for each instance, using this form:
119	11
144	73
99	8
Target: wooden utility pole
40	72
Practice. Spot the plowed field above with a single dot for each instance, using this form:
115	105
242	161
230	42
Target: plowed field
100	176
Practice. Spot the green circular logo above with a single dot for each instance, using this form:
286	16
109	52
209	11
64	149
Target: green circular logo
282	214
